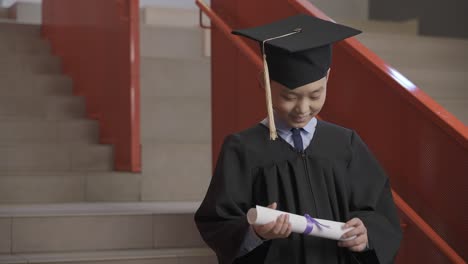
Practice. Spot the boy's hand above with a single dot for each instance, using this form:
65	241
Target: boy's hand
359	243
281	228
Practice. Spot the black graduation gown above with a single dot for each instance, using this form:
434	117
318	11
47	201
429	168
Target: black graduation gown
335	178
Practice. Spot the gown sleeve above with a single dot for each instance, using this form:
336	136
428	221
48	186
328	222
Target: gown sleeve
221	218
370	199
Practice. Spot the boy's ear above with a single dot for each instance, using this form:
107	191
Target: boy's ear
328	73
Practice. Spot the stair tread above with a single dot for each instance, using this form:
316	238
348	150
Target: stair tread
170	16
73	131
205	61
42	145
106	255
50	122
8	23
426	39
40	107
174	42
25	56
39	174
3	13
98	209
387	27
45	96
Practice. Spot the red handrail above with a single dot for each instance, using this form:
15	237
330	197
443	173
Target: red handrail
427	230
403	206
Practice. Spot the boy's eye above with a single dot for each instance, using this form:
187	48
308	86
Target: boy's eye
314	96
289	97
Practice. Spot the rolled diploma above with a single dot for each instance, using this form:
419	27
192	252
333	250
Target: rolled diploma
263	215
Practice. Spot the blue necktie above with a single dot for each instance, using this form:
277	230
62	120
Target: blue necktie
296	135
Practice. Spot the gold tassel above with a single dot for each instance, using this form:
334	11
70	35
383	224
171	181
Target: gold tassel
269	104
266	75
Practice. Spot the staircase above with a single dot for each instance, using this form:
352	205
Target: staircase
47	147
40	113
3	13
60	200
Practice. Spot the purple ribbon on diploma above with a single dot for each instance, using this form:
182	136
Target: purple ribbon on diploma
310	224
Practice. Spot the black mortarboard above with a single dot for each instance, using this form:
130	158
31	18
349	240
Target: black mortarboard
296	51
301	58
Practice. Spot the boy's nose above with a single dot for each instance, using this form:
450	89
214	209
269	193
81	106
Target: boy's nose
302	108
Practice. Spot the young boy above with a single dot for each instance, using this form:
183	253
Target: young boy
295	163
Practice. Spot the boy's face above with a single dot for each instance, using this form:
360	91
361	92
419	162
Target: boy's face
297	107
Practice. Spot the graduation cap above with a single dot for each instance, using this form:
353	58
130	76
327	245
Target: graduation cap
296	51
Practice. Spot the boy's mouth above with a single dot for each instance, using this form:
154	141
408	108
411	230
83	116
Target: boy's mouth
300	119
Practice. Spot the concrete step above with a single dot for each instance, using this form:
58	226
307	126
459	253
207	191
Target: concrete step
26	187
175	77
427	59
9	29
170	3
439	91
387	27
28	12
16	84
148	256
78	227
434	62
23	45
113	186
41	107
45	64
175	172
347	9
458	107
439	84
170	16
447	87
55	157
419	52
176	119
73	131
3	13
172	42
437	66
408	44
37	188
